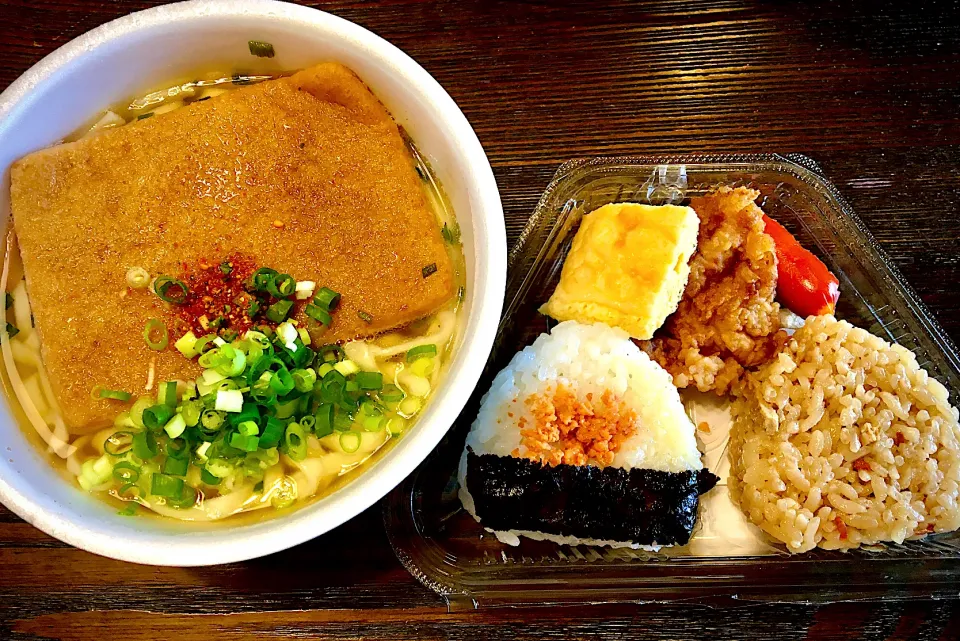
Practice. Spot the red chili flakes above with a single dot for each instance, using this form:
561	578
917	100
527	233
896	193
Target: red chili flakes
841	528
899	439
862	464
218	300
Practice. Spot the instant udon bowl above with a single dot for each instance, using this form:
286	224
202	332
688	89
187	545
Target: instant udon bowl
119	61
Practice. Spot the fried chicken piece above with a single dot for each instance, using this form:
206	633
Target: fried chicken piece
727	319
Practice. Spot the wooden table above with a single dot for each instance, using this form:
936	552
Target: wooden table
870	89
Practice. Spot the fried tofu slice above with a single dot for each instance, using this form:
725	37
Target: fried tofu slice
307	174
627	267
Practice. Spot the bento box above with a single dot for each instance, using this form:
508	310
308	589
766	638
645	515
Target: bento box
727	559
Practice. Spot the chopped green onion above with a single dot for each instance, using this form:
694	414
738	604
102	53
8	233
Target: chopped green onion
327	299
203	342
168	393
324	369
249	428
250	412
261	49
347	367
324	420
350	441
176	466
171	289
165	485
391	393
233	361
369	380
201	452
145	116
296	442
365	317
318	314
118	443
178	448
144	446
421	351
279	311
211	359
123	420
332	386
262	277
175	426
247	443
117	395
156	416
211	420
282	382
253	308
304	335
331	353
304	379
11	330
422	367
281	285
308	422
288	409
451	234
208	478
155	326
126	472
138	278
129	491
226	268
136	411
9	300
305	289
190	411
187	498
395	425
219	468
187	345
429	270
229	401
272	433
263	393
371	417
342	422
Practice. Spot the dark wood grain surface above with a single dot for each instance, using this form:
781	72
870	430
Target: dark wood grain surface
870	89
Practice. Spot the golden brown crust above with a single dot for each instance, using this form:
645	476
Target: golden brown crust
727	319
315	151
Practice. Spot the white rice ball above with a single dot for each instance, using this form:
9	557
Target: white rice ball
591	359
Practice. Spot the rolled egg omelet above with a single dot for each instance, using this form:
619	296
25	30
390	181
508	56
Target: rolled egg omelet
628	267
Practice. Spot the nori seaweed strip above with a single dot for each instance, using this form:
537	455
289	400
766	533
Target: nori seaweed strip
611	503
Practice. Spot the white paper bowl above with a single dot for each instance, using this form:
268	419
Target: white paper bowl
143	50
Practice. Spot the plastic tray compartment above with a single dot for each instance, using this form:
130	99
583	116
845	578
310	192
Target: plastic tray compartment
449	552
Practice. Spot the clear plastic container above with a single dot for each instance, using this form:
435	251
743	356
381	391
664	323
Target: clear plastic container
726	558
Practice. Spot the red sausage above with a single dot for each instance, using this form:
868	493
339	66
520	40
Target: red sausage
804	284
